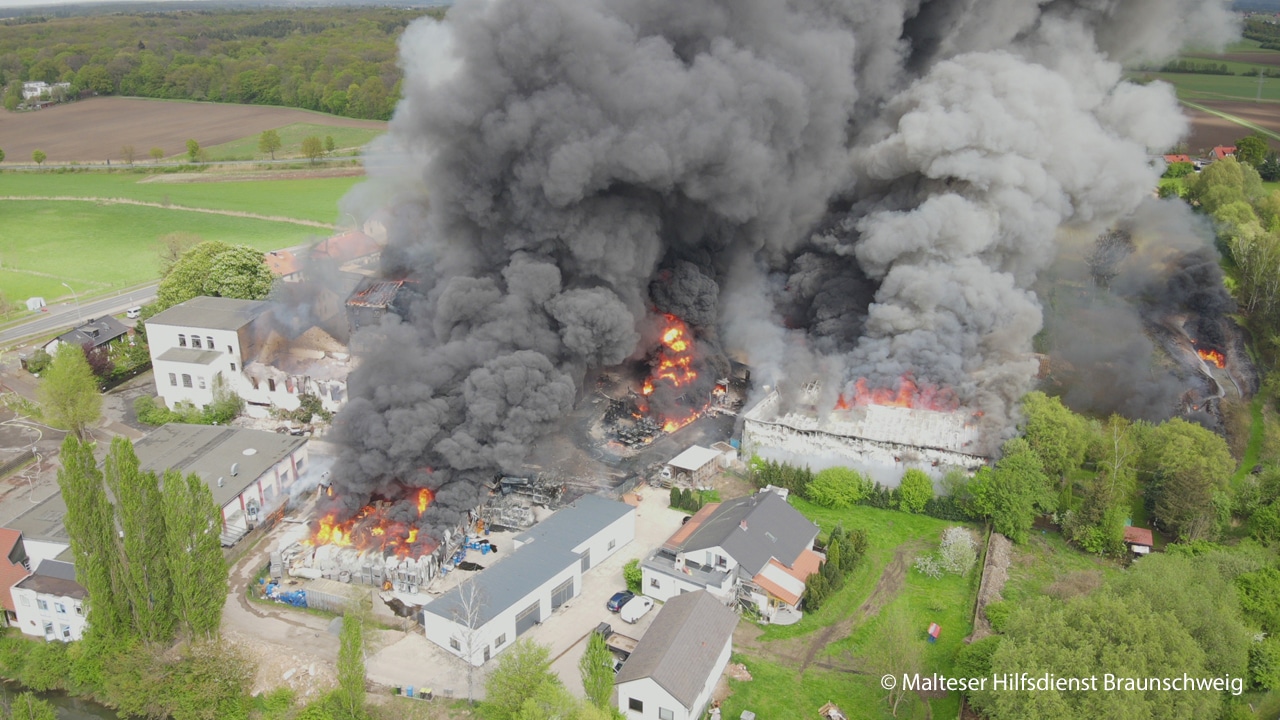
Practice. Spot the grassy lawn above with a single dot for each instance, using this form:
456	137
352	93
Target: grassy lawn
308	199
345	140
1218	87
1253	450
947	601
1045	560
97	248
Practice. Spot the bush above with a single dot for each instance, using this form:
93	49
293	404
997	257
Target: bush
1264	664
816	590
998	614
221	411
838	488
974	660
633	575
38	361
1179	169
915	491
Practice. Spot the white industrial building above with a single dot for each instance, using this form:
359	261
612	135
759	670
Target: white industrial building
50	603
695	466
880	440
756	548
208	342
487	614
249	472
676	665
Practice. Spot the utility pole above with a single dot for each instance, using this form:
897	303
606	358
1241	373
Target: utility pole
79	317
1259	98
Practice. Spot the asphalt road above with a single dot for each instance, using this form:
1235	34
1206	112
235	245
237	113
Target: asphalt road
65	316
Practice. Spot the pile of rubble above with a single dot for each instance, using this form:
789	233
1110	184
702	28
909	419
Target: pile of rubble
349	565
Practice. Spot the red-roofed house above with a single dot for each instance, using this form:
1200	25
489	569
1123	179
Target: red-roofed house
1139	540
346	247
13	568
1222	152
284	265
1171	159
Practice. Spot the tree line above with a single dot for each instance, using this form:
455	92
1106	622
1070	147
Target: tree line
338	60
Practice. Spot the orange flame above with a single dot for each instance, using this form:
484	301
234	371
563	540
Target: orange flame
1212	356
908	394
371	529
675	367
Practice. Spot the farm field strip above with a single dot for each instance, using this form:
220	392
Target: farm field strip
1233	118
126	201
307	199
291	136
96	248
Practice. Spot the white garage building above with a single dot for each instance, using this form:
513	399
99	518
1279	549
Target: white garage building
484	616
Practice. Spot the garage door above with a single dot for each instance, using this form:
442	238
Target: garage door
527	619
562	593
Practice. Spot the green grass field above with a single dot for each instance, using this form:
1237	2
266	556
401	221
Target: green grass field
1218	87
345	139
98	248
947	601
308	199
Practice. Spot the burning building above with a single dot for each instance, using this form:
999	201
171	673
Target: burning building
826	190
878	438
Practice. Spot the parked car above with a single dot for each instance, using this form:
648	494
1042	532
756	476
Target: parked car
618	600
636	608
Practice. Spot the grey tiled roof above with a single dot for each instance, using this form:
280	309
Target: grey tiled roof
681	646
774	529
548	550
211	313
210	451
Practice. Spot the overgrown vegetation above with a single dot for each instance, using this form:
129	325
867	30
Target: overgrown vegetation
845	549
692	500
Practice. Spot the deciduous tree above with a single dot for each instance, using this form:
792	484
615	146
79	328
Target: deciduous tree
329	145
157	154
269	142
1012	493
837	487
351	674
217	269
312	148
193	554
596	667
128	153
1059	436
522	670
38	156
915	491
193	150
1190	467
68	392
1252	149
172	246
140	517
91	530
1	155
896	650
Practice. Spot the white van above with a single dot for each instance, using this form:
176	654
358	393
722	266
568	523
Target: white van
133	313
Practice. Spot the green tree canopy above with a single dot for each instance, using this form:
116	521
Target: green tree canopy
521	672
1	155
1223	182
1190	466
1059	436
216	269
1014	491
312	148
193	149
596	667
837	487
915	491
269	142
1252	149
38	156
351	672
69	395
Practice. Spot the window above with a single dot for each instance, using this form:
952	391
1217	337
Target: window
195	342
233	367
254	381
486	653
60	608
201	380
501	639
182	340
48	629
299	463
26	601
210	341
665	714
186	380
271	385
173	379
79	609
453	643
42	604
653	583
613	544
635	704
230	351
66	631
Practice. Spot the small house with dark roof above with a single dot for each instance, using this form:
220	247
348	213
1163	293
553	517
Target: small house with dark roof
1139	540
95	333
757	546
14	566
487	614
676	665
50	603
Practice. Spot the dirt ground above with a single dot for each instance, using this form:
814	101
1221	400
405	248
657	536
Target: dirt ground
1208	130
95	130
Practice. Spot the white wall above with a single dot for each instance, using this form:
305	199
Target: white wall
655	698
32	619
620	532
268	491
38	551
229	363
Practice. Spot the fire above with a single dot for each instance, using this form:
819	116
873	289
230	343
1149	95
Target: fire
907	394
1212	356
371	529
674	368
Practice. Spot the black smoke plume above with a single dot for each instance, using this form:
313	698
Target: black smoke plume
826	189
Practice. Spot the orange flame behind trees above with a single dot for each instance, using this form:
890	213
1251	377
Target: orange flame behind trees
371	529
1213	357
907	394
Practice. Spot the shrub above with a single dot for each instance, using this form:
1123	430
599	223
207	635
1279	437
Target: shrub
998	614
974	660
915	491
633	575
38	361
838	487
816	590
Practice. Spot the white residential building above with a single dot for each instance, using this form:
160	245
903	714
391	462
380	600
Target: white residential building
50	603
206	341
249	472
485	616
757	546
676	665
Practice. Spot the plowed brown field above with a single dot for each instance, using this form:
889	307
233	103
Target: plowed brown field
1210	130
95	130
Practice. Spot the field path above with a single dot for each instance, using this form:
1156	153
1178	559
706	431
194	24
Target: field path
127	201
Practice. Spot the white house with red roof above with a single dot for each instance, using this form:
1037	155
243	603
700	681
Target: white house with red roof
1222	152
14	567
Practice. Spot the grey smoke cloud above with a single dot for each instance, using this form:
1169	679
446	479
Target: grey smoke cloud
823	189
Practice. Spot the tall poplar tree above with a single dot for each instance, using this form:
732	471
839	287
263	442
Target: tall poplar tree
91	529
193	553
140	512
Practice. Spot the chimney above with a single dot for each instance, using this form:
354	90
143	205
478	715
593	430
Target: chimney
219	482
